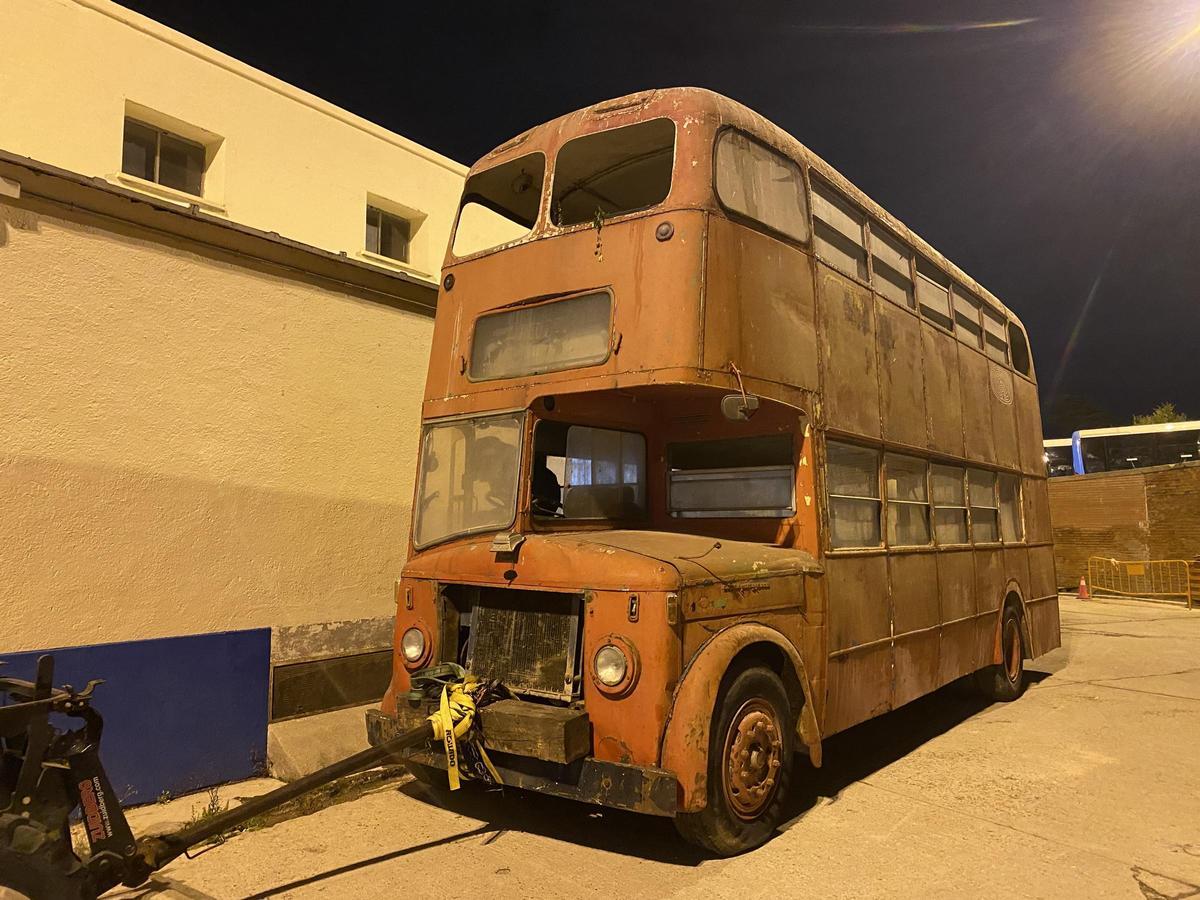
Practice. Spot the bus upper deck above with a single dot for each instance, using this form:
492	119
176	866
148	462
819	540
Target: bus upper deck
624	189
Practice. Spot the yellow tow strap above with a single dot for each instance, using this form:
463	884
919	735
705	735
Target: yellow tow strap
453	720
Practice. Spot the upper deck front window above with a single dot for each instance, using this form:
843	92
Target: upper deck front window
613	172
500	204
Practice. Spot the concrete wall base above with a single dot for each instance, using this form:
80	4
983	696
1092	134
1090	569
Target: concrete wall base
298	747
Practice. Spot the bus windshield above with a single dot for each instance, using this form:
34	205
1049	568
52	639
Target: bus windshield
500	204
468	477
613	172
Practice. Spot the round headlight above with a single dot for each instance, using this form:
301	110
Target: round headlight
611	665
412	644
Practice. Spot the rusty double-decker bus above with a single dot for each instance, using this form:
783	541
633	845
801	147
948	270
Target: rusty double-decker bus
718	459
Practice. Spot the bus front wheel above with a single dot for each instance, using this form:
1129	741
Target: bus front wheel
749	766
1006	681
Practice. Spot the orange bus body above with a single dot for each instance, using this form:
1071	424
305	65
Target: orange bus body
764	365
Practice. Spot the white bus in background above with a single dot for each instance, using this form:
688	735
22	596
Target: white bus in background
1058	457
1128	447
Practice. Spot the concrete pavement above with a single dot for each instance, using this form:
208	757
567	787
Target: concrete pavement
1089	786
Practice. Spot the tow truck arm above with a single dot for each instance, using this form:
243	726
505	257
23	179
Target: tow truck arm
46	773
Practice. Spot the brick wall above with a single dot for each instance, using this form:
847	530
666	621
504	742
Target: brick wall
1145	514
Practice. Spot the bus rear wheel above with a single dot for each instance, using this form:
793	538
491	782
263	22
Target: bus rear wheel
749	766
1006	681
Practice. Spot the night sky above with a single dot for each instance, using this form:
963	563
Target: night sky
1051	149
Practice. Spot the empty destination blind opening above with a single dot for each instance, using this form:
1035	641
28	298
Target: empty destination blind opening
549	337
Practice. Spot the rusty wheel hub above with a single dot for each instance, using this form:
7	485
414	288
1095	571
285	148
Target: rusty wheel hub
1012	650
753	759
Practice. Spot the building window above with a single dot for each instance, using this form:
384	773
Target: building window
908	501
153	154
388	235
949	505
985	511
1011	526
852	483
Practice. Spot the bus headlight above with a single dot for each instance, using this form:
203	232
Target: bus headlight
412	645
611	665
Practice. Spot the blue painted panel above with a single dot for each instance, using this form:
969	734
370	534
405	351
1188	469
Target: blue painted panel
179	713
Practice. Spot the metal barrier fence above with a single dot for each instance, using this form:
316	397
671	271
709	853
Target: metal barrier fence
1142	578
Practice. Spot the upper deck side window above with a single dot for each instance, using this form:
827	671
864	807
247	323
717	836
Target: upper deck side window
500	204
766	187
1019	347
613	172
966	318
933	294
995	335
891	266
839	235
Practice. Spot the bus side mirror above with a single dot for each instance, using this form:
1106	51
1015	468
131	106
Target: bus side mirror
738	407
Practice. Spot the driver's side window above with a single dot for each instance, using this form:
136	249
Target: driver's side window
581	472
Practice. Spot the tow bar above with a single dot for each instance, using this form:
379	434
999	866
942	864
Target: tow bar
46	773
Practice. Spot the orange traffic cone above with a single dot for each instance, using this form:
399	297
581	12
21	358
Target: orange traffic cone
1083	589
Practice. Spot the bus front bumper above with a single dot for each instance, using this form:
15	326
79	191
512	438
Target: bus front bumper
642	789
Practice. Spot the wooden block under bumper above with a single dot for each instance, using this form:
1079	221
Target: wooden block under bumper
552	733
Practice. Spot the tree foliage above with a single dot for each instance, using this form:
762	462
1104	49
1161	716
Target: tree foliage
1163	413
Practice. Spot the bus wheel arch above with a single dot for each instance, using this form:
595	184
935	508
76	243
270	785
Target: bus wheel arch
686	738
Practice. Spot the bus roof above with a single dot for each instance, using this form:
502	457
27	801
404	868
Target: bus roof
1193	425
692	105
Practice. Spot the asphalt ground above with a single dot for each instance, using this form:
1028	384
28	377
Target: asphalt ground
1088	786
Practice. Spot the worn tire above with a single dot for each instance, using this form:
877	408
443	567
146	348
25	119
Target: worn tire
39	866
738	818
1006	682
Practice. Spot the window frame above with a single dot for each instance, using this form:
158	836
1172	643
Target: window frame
816	180
478	199
877	499
873	225
378	250
521	307
965	507
990	312
927	503
1014	325
1019	507
546	207
543	522
962	331
972	506
159	132
732	512
748	220
948	325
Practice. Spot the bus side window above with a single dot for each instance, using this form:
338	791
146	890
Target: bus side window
994	335
985	510
949	505
756	182
933	294
966	318
852	483
750	477
891	266
1020	349
838	235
